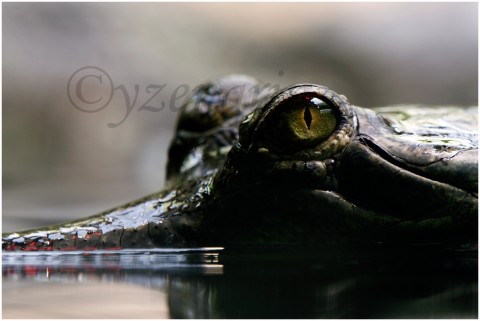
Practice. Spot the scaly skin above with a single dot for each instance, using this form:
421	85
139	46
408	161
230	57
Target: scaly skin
249	166
207	127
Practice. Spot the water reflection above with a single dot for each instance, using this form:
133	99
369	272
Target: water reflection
267	283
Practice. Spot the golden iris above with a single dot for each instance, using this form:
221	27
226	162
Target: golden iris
303	121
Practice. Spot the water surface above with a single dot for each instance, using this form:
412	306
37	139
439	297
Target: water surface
274	282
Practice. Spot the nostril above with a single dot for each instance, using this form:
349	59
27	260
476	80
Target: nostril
307	116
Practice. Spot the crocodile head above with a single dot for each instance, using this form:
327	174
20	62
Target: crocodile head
309	166
298	165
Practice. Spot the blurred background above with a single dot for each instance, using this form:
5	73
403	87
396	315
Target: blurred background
61	163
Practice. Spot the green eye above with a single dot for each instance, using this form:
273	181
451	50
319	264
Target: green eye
308	121
302	121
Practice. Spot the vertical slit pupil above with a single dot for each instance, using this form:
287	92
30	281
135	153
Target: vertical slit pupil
307	116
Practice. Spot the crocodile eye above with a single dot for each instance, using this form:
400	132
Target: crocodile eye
301	121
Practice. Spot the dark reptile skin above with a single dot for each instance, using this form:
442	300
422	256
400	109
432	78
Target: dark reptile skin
402	174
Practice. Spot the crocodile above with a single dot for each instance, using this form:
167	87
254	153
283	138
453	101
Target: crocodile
300	165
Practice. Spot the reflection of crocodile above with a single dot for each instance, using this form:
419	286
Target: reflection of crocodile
273	283
298	166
